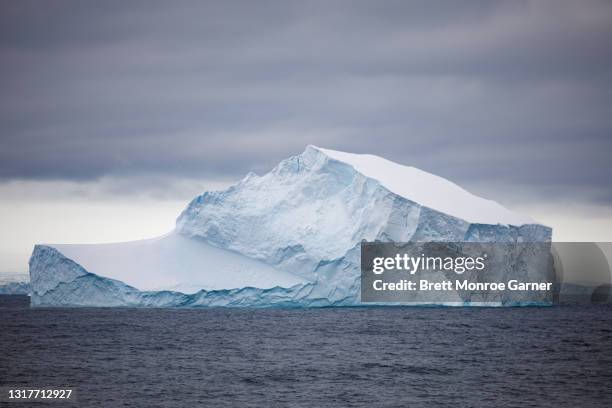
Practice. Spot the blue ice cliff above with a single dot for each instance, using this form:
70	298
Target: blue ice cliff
288	238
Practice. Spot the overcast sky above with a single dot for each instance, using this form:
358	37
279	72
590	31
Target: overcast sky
127	107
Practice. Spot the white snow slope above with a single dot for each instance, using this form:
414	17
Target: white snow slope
177	263
429	190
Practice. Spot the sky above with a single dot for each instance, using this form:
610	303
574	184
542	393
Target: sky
114	114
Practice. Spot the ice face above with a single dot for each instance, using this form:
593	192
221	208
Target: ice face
290	237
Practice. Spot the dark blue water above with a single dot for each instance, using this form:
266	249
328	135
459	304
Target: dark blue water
392	357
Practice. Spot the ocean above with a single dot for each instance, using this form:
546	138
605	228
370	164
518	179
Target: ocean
346	357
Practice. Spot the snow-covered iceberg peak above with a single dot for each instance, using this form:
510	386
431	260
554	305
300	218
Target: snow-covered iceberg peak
324	202
428	190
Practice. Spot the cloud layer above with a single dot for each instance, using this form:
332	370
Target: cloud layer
513	94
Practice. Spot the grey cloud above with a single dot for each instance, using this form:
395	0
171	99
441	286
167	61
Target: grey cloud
504	93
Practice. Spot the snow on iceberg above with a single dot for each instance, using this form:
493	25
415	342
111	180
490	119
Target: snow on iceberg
290	238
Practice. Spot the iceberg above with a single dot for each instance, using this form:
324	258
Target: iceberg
288	238
14	284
